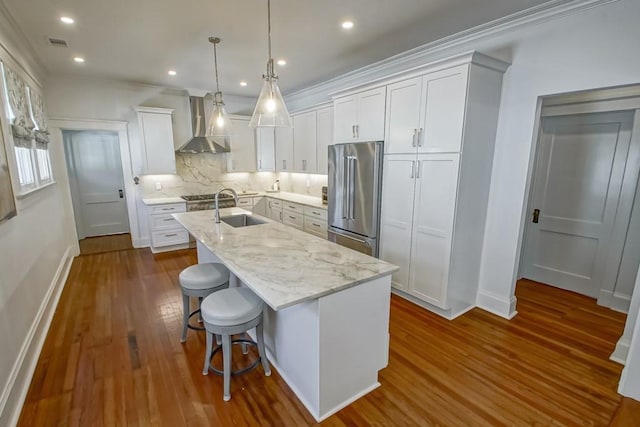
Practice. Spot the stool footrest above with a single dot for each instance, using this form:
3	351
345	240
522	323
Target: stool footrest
238	371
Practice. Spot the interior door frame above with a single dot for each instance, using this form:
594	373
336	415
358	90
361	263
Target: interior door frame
617	99
58	125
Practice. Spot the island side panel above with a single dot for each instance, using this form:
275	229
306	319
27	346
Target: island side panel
354	342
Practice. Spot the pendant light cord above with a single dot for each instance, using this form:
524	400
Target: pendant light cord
215	62
269	25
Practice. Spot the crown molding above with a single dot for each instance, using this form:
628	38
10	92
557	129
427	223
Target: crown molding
436	50
16	46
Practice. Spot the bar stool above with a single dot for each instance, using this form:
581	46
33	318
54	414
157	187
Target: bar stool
200	281
228	312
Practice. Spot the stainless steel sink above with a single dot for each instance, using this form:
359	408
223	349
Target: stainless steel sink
241	220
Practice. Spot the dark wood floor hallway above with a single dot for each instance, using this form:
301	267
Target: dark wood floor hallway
113	357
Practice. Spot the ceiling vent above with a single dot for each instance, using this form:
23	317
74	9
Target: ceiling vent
58	42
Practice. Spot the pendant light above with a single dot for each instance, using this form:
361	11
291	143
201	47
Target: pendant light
219	124
270	110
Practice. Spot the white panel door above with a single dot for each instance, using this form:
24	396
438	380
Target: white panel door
345	118
370	124
434	209
444	98
157	142
265	149
284	149
324	138
95	168
577	183
242	155
304	142
396	217
403	116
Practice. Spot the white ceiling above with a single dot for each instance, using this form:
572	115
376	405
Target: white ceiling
140	40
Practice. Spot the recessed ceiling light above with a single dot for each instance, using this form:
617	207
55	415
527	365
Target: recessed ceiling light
282	62
79	59
67	20
347	25
172	72
243	83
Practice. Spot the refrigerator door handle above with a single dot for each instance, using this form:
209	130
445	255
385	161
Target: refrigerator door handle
352	186
345	188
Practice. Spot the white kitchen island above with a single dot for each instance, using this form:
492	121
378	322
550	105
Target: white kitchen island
327	316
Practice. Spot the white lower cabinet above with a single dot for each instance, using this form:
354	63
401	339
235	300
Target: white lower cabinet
302	217
274	209
165	233
419	200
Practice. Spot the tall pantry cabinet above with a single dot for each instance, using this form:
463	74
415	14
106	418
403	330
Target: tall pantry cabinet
439	139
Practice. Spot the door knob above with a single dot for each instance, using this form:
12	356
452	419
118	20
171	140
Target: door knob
536	216
121	194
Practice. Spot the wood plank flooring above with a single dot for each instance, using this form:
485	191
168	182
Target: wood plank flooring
113	357
101	244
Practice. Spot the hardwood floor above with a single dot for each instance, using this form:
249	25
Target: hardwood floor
113	357
100	244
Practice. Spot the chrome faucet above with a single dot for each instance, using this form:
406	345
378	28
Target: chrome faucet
235	196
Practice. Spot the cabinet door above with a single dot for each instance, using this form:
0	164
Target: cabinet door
284	149
265	148
304	142
324	137
260	206
434	208
445	95
242	155
274	210
156	134
398	184
370	125
344	119
403	116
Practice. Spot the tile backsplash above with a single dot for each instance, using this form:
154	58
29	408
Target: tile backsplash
206	173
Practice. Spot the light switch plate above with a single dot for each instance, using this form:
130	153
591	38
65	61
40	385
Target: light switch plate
158	186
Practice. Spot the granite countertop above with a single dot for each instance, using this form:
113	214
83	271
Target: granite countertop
150	201
282	265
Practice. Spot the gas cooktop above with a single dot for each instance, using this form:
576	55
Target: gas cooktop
202	197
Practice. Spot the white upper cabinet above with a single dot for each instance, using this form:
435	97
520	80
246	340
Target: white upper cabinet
360	117
445	99
426	114
324	120
242	155
156	140
265	149
304	142
403	116
284	149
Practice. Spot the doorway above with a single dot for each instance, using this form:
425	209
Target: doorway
96	182
583	187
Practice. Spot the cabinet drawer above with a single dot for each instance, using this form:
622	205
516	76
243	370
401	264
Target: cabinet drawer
163	222
316	213
275	203
315	226
293	207
245	202
169	237
168	208
293	219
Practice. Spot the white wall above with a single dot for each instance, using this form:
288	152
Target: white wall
35	249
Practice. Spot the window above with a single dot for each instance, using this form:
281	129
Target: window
25	111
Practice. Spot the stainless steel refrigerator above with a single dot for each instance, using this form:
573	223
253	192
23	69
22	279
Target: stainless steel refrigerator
355	177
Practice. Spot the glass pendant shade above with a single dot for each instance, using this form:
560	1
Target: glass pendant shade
270	110
219	123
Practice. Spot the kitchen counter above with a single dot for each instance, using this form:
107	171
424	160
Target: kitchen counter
282	265
150	201
326	318
303	199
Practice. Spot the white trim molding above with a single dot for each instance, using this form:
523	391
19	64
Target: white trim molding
497	305
15	392
58	124
436	50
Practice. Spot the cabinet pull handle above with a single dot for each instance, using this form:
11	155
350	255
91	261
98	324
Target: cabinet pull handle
292	217
284	164
171	235
418	173
413	168
317	225
353	131
420	137
259	164
167	209
413	138
315	213
168	219
357	131
280	216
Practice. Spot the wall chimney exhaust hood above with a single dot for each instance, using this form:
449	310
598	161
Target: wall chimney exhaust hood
201	143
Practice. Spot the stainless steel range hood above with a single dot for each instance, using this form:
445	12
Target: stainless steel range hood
201	143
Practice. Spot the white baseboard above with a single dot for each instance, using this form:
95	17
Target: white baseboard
614	301
15	392
497	305
621	351
141	243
